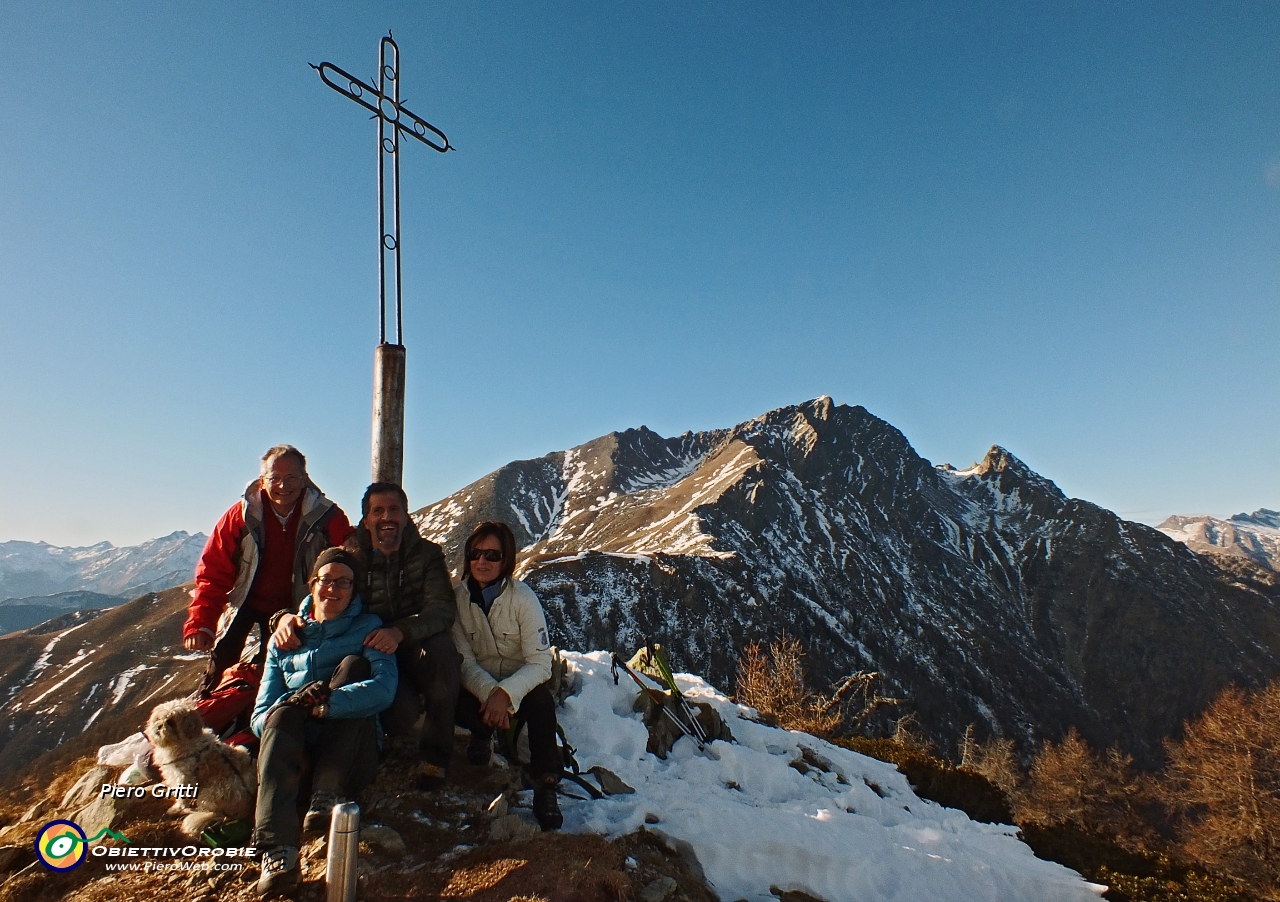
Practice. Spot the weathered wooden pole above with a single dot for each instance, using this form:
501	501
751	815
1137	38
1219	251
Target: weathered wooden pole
388	413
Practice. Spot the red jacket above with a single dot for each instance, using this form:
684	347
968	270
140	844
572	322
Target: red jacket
230	557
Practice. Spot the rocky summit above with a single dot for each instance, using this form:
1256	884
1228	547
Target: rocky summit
984	595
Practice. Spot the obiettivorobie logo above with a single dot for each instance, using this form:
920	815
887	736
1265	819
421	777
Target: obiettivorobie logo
63	845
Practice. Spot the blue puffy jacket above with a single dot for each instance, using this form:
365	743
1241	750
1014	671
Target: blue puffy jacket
324	645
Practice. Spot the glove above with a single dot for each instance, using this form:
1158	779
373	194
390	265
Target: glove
311	695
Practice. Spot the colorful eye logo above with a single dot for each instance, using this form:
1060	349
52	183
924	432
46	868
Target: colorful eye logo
61	845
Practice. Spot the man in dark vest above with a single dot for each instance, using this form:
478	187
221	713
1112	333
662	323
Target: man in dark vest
408	586
258	560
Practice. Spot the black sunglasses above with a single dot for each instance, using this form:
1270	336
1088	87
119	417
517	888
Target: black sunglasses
493	557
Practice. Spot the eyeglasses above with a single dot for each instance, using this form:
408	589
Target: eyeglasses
324	582
493	557
288	482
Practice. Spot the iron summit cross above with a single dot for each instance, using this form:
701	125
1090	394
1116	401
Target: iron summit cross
388	360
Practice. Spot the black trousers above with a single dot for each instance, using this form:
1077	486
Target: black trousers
430	674
538	711
231	646
343	755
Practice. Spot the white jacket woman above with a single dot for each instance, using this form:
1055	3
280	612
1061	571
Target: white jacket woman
508	648
501	633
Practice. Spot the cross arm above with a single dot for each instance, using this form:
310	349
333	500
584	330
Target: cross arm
370	98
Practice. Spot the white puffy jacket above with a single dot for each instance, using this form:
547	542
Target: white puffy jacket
508	649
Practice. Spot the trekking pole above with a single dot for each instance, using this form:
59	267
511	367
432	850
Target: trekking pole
659	658
656	697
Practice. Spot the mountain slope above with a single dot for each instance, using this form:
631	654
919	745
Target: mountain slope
90	677
985	595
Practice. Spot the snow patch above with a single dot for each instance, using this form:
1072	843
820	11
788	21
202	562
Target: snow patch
856	833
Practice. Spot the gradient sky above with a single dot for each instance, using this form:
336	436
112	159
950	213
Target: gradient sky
1053	227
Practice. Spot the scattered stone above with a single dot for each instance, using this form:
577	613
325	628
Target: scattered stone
813	759
384	839
630	864
87	788
38	811
100	814
658	889
512	827
610	783
652	818
794	895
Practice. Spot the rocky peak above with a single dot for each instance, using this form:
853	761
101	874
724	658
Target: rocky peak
1267	519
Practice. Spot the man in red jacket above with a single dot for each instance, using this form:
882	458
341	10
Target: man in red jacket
258	559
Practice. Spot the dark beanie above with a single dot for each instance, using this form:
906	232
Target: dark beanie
340	555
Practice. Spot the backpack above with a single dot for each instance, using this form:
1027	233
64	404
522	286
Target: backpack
231	700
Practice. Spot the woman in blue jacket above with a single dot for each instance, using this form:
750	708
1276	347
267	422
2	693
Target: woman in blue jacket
318	703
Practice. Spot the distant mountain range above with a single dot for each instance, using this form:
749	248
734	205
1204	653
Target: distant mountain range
984	595
31	569
1255	536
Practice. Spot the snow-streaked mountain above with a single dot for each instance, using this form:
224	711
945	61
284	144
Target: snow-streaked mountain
1254	536
37	568
984	595
86	678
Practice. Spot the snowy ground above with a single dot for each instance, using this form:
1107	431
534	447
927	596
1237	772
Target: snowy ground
856	833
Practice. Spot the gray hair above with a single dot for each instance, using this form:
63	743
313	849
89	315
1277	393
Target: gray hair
283	451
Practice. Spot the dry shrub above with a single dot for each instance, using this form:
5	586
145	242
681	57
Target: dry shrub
997	760
774	684
1223	786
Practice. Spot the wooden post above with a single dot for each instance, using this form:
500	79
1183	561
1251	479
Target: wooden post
388	413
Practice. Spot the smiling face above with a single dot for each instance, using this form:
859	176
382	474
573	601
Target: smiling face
485	571
386	521
331	591
284	481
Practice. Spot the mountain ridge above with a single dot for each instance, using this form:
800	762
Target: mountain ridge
29	569
985	594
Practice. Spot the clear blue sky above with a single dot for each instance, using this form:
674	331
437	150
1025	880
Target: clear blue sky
1055	227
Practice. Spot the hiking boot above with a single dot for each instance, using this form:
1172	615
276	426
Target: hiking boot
545	807
319	813
280	871
430	777
480	750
